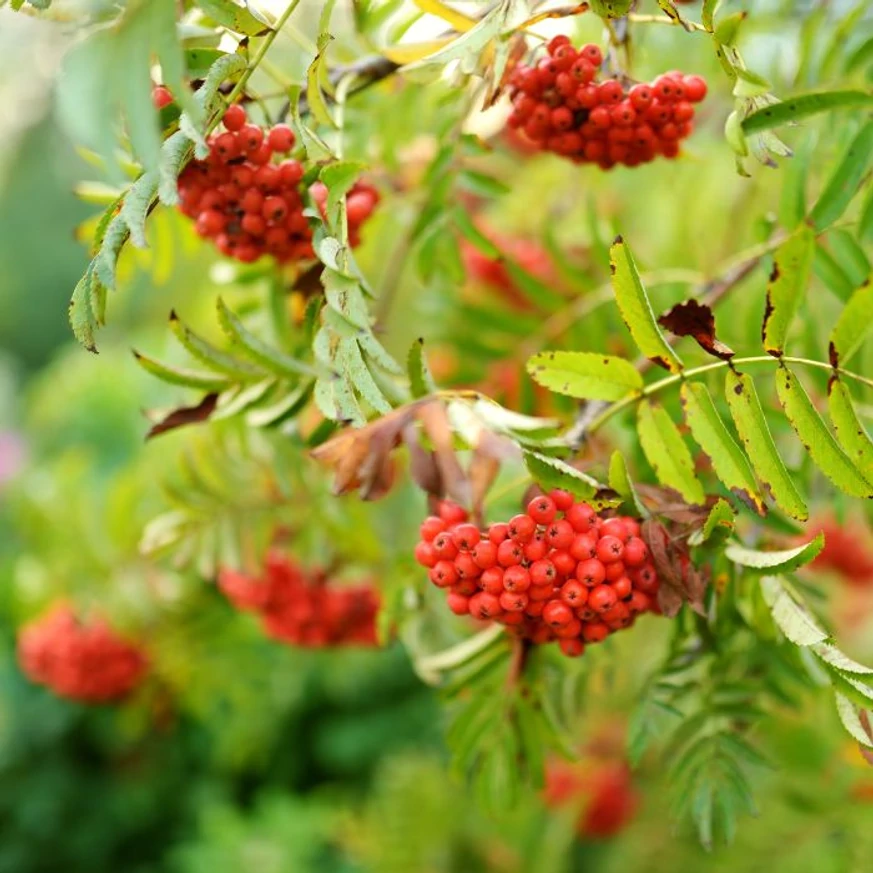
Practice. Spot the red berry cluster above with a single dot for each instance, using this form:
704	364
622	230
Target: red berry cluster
302	608
251	206
556	572
560	105
85	661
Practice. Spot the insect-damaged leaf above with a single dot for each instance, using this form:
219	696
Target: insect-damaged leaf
786	287
636	310
696	320
817	439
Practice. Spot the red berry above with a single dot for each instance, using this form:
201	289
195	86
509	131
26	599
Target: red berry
683	112
485	606
451	513
275	208
556	613
645	579
466	567
567	631
445	546
600	117
622	587
584	546
281	138
234	117
261	155
572	648
618	616
695	88
610	92
641	96
574	594
543	573
581	516
636	553
541	592
266	178
253	224
226	146
537	548
161	96
511	619
592	54
587	97
210	222
430	527
591	573
614	570
602	598
516	579
623	115
564	562
466	536
522	528
595	632
491	580
563	500
534	608
556	42
291	173
560	534
509	553
610	549
513	601
251	137
497	533
583	72
253	202
443	574
458	603
639	602
426	555
485	554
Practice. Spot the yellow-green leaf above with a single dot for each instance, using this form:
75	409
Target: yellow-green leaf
751	424
728	460
853	325
804	106
783	561
667	452
786	287
851	433
585	375
817	439
636	310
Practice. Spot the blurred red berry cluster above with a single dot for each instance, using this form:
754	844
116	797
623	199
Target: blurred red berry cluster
251	206
562	106
848	550
81	660
302	607
558	571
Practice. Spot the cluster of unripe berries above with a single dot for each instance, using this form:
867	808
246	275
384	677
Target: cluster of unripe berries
562	106
250	205
301	607
81	660
558	571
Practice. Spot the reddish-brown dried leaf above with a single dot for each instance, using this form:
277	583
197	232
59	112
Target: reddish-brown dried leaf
696	320
680	580
435	422
491	451
423	467
185	415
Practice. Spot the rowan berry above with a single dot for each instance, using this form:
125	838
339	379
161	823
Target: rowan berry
522	528
542	509
516	579
556	613
281	138
509	553
602	598
466	536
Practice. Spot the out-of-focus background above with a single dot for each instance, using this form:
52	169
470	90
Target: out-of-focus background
253	757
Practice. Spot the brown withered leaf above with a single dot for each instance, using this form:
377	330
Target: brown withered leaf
488	455
669	504
423	467
681	582
184	415
696	320
435	423
308	283
494	86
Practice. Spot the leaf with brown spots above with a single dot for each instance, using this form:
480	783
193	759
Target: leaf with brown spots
697	321
184	415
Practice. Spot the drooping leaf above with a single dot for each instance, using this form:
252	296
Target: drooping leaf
554	473
786	287
845	180
851	433
137	203
420	380
636	310
315	75
179	376
719	524
850	716
792	618
728	460
853	326
817	439
585	375
783	561
751	425
174	152
667	452
803	106
620	482
215	358
184	415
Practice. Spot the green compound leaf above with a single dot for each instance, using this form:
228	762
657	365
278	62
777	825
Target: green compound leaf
853	326
786	287
791	616
585	375
636	310
751	424
803	106
728	460
667	452
817	439
851	433
179	376
215	358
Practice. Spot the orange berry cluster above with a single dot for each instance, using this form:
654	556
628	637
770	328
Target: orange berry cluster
561	105
300	607
559	571
251	206
86	661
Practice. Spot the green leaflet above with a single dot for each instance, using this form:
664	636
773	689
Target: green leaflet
804	106
851	433
554	473
338	178
786	287
137	203
832	274
240	19
636	310
850	716
354	366
853	326
174	153
775	562
85	307
620	482
721	521
728	460
213	357
420	380
461	219
817	439
261	353
180	376
585	375
751	424
845	180
667	452
792	617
